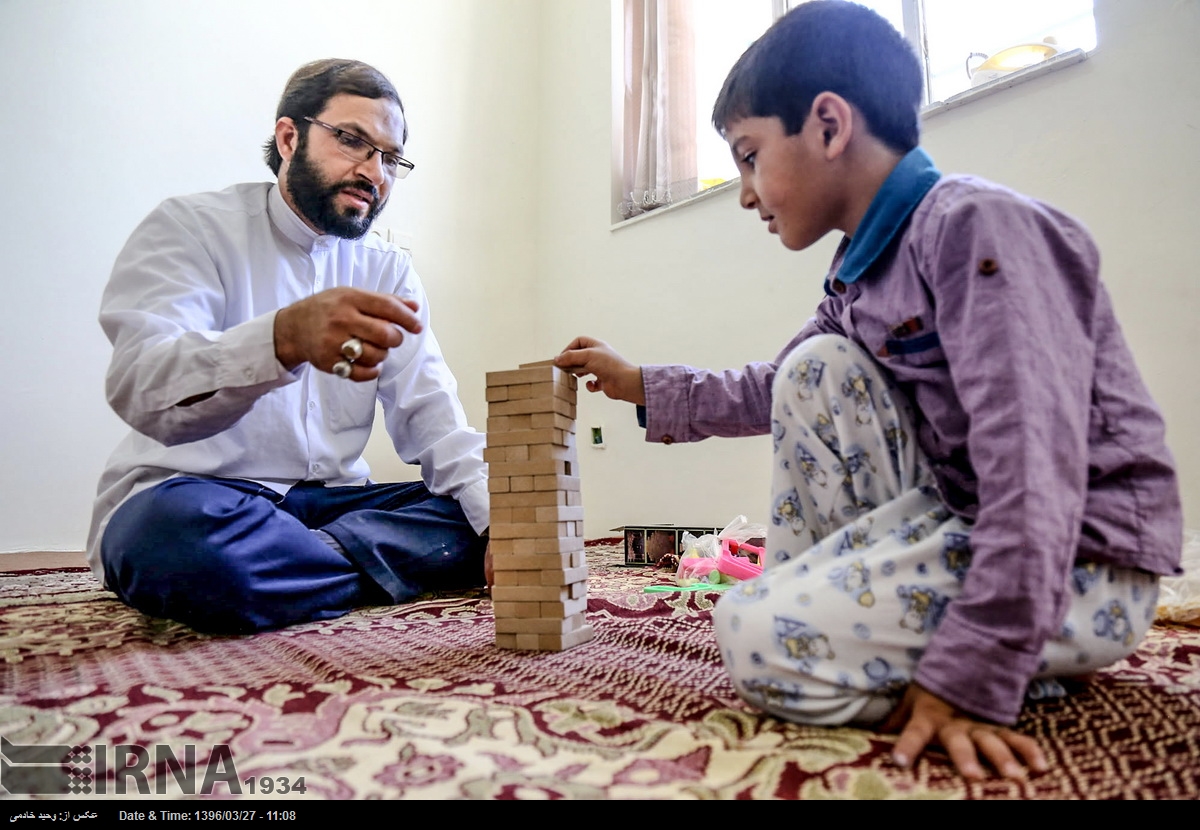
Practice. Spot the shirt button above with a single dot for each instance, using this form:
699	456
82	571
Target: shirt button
668	439
312	404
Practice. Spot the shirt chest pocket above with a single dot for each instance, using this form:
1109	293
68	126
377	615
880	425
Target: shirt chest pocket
349	405
907	342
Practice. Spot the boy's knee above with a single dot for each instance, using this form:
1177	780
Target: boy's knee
808	368
826	348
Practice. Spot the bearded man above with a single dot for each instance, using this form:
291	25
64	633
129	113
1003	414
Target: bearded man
253	330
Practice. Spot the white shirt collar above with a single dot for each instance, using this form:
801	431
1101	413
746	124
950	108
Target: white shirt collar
288	222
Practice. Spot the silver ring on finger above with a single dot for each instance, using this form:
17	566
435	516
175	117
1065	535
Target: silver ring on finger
352	349
343	368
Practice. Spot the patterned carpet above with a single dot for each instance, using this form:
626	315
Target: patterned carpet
415	702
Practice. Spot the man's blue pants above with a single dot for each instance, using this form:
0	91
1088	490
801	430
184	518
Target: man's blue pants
229	556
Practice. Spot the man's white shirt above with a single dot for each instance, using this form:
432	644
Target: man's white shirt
190	308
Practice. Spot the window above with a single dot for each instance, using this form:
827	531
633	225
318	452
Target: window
969	44
672	56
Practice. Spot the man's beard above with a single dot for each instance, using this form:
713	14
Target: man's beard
316	201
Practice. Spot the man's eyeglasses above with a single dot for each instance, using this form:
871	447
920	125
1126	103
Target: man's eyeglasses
359	149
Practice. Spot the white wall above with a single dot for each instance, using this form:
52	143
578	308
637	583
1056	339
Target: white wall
112	105
1115	140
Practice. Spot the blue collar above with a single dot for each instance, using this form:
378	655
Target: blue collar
899	196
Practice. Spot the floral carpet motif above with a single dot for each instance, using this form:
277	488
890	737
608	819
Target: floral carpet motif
415	701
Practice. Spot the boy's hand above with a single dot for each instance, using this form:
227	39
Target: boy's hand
614	375
923	718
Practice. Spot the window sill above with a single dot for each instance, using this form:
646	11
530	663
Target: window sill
723	187
1019	77
953	102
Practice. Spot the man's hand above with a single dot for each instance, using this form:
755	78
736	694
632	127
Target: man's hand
314	329
614	375
923	718
489	572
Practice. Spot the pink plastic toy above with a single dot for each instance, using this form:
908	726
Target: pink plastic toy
727	567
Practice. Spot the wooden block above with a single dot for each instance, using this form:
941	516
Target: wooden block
517	452
523	436
546	466
500	547
507	423
532	405
519	610
536	530
561	375
523	515
522	547
501	485
564	576
508	578
538	420
555	483
558	513
568	544
574	498
534	561
536	626
530	499
497	393
494	454
563	609
506	641
519	484
515	377
551	390
557	452
529	593
577	590
530	642
503	515
578	559
562	642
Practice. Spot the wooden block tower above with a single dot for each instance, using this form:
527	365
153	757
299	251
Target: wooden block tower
540	590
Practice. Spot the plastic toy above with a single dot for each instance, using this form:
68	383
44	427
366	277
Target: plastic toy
727	567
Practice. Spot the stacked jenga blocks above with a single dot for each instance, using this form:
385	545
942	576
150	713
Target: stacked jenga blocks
538	561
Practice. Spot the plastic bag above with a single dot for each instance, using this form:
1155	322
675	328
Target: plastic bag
720	559
740	530
1179	596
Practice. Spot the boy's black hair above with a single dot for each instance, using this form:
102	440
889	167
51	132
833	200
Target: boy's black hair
834	46
312	85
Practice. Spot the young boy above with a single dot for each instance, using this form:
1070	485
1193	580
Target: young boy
971	490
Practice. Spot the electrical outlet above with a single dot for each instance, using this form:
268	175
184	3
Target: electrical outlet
597	437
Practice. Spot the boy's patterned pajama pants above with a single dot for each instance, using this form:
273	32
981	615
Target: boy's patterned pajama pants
863	558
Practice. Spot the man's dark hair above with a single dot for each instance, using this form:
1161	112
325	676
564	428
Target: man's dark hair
311	86
834	46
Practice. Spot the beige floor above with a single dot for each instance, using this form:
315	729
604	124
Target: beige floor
32	560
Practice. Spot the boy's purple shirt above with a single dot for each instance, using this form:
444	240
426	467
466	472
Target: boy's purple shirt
987	308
